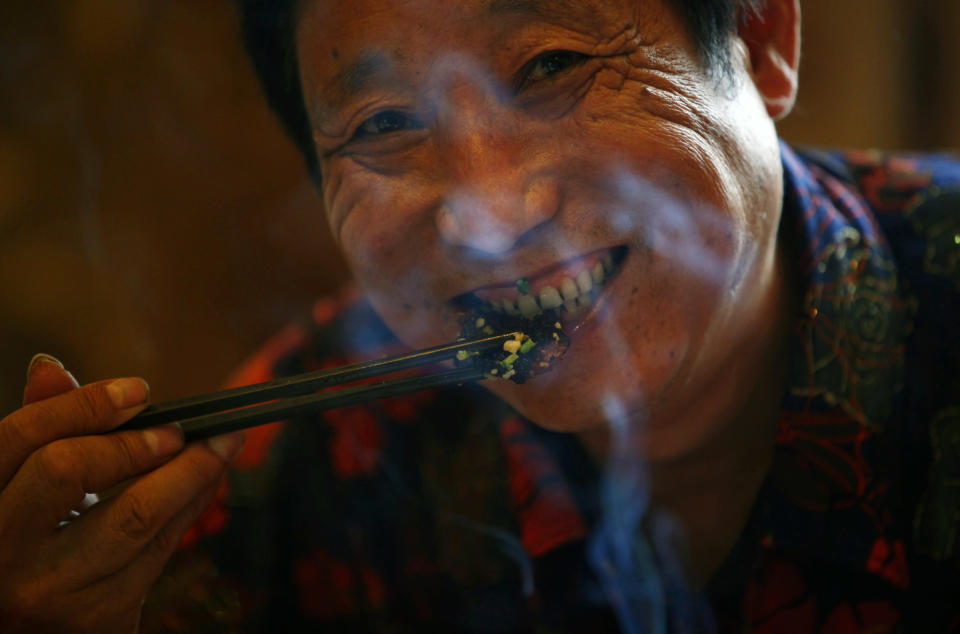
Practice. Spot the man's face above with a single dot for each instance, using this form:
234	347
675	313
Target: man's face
464	145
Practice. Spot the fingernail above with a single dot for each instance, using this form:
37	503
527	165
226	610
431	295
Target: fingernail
39	358
126	393
227	446
164	440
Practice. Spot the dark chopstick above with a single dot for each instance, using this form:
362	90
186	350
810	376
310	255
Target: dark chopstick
298	391
223	422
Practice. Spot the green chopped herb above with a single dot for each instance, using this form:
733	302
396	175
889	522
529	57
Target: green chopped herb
527	346
523	285
509	361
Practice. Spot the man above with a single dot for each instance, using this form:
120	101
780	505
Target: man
736	361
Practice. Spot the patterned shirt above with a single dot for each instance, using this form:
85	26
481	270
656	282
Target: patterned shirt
446	511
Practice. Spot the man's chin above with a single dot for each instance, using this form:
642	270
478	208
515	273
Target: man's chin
557	406
634	423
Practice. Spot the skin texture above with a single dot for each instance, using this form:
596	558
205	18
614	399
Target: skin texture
500	160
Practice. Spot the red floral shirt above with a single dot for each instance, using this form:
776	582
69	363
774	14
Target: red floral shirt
446	511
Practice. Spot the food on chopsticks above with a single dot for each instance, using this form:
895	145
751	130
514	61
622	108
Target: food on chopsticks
536	344
492	344
209	415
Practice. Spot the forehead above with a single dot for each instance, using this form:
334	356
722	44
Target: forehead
349	18
343	45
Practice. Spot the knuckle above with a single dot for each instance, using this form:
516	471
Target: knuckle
165	542
91	402
20	429
60	463
136	519
129	450
205	466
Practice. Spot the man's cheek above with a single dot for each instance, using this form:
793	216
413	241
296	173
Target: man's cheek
385	263
351	190
371	248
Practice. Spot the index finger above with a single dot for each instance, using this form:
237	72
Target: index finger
91	409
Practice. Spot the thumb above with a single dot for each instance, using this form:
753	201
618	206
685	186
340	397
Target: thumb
46	378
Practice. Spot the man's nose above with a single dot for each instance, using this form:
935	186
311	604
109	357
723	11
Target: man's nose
501	184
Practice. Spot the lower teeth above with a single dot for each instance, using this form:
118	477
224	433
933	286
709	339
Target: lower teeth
528	306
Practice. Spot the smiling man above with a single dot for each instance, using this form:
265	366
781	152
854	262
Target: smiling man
460	148
755	425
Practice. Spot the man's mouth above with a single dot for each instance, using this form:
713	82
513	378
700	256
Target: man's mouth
570	287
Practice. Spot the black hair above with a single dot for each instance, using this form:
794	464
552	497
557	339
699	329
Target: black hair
267	28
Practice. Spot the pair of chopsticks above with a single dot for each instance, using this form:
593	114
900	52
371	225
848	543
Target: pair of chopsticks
225	411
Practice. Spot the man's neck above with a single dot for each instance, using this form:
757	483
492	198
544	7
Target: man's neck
709	491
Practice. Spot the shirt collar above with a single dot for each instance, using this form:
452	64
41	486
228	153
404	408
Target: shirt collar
827	496
849	347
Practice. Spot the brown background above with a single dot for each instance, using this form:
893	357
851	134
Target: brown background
155	221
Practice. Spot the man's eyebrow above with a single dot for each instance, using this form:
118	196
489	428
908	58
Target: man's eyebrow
359	74
365	70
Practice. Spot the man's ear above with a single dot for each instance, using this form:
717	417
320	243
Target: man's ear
771	34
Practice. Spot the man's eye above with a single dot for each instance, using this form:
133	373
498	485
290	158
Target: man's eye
386	122
547	65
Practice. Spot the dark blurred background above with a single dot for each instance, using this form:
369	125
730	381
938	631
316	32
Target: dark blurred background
155	221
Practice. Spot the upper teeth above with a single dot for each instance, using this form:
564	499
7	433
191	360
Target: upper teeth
550	298
584	282
573	294
596	273
569	288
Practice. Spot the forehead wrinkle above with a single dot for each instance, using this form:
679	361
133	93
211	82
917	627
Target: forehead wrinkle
575	15
529	7
538	8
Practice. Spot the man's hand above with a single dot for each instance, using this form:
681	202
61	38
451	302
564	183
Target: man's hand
91	573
